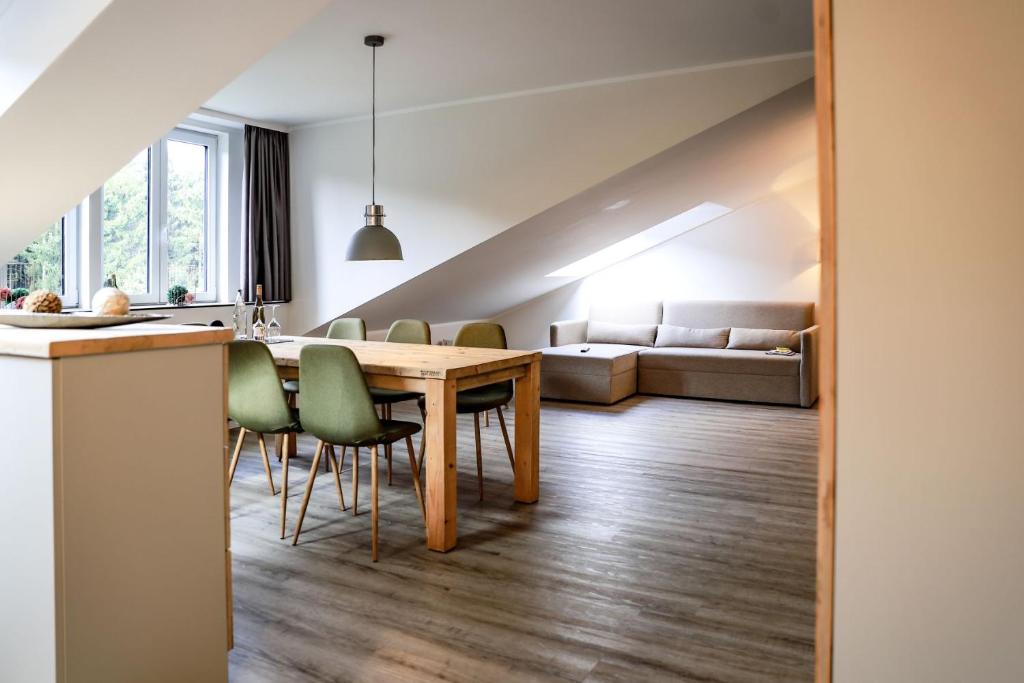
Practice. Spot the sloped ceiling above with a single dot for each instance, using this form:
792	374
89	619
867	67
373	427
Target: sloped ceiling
32	34
735	163
451	50
139	68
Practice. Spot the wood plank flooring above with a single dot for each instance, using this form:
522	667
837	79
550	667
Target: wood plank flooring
674	541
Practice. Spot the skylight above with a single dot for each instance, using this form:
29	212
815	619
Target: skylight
644	240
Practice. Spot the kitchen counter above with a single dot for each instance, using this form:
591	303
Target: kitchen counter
114	504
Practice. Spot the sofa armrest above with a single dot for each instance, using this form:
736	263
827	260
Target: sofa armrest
568	332
809	366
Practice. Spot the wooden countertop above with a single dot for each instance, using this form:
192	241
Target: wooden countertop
45	343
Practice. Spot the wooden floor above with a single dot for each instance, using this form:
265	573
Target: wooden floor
674	541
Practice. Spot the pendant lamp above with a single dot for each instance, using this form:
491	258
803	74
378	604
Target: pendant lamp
374	242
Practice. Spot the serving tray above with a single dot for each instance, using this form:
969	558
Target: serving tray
74	321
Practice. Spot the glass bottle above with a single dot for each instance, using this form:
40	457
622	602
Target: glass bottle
258	313
259	320
238	317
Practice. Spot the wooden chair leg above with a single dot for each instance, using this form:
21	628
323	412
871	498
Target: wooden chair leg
487	418
387	447
279	445
355	481
284	489
309	489
337	476
341	460
374	512
479	455
266	463
416	478
508	443
234	457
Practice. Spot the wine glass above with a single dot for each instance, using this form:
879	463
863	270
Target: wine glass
259	330
274	328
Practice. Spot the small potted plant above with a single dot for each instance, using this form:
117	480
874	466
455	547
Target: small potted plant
17	296
178	295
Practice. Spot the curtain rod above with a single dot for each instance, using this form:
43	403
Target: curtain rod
213	113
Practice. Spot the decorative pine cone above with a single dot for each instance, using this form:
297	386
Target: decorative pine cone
42	301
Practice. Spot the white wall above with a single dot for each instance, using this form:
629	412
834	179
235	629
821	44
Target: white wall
930	443
768	250
453	177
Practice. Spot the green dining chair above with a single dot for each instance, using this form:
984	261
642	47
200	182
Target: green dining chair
341	328
400	332
338	410
485	398
257	402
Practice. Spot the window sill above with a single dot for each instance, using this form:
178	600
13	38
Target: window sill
201	304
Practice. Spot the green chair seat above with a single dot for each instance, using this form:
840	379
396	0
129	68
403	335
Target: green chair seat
483	398
390	432
392	395
480	399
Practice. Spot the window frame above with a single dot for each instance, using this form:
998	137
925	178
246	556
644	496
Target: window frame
159	267
69	293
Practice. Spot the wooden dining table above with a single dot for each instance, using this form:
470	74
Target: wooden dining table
439	373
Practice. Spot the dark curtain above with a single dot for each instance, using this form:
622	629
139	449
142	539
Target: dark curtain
266	254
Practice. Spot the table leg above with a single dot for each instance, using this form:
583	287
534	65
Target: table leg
527	483
441	472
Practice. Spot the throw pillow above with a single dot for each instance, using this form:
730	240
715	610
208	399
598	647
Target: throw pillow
762	340
615	333
673	335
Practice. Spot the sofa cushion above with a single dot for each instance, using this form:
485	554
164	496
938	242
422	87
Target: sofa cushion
615	333
776	315
762	340
718	360
673	335
601	359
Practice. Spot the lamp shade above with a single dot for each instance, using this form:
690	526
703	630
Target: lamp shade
374	243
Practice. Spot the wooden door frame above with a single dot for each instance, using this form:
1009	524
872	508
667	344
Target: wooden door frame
825	107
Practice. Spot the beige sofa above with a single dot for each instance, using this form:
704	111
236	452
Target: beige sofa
701	349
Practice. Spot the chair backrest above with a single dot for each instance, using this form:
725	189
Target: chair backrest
485	336
409	332
482	336
347	328
256	400
336	404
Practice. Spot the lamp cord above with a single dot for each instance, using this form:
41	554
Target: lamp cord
373	131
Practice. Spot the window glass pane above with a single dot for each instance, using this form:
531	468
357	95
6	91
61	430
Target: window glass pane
126	209
186	214
41	264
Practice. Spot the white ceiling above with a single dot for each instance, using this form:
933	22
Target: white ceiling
445	50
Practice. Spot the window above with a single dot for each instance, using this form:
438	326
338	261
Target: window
159	219
48	263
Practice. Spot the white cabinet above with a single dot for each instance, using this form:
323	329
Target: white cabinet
115	561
